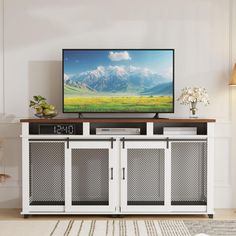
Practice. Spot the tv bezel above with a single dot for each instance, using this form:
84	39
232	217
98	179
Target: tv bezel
131	49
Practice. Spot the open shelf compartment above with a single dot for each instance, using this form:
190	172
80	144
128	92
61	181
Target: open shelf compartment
141	126
158	128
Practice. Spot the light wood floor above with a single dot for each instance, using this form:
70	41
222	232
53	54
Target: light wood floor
220	214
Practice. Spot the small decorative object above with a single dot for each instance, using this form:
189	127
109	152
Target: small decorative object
192	96
232	81
42	108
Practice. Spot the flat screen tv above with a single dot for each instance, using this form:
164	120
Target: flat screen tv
118	80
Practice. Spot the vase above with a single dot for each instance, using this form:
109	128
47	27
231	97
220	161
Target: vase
46	116
193	110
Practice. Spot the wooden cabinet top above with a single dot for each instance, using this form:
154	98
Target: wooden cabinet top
117	120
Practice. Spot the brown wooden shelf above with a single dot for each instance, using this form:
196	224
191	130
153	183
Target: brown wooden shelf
117	120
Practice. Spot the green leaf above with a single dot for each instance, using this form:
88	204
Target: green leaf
36	98
32	103
44	104
41	98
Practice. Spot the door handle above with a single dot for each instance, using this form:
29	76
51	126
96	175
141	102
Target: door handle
123	171
111	173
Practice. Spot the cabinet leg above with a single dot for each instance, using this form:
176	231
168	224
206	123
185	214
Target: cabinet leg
26	216
116	216
210	216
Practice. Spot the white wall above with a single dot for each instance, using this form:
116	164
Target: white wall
1	58
36	31
233	102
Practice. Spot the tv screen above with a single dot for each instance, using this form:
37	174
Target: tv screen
118	80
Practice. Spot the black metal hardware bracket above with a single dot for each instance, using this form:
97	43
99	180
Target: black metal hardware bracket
167	140
189	140
148	139
123	142
47	139
112	142
96	139
67	140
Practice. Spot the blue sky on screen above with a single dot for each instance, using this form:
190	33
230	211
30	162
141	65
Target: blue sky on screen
77	61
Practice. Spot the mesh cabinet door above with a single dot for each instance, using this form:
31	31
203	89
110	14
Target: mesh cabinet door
189	173
91	181
46	168
143	176
90	177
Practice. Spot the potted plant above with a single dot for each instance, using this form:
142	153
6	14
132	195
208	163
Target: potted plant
42	108
192	96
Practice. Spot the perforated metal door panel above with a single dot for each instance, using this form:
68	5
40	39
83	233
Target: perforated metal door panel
189	173
90	177
46	167
145	176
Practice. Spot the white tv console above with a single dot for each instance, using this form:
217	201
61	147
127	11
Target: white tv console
68	169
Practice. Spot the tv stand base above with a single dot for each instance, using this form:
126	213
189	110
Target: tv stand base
80	116
158	117
210	216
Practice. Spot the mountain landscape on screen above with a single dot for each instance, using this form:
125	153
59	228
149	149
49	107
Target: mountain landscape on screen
120	81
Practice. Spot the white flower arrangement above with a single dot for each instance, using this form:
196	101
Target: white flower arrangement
194	95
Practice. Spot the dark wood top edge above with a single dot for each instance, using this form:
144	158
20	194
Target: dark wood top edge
116	120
